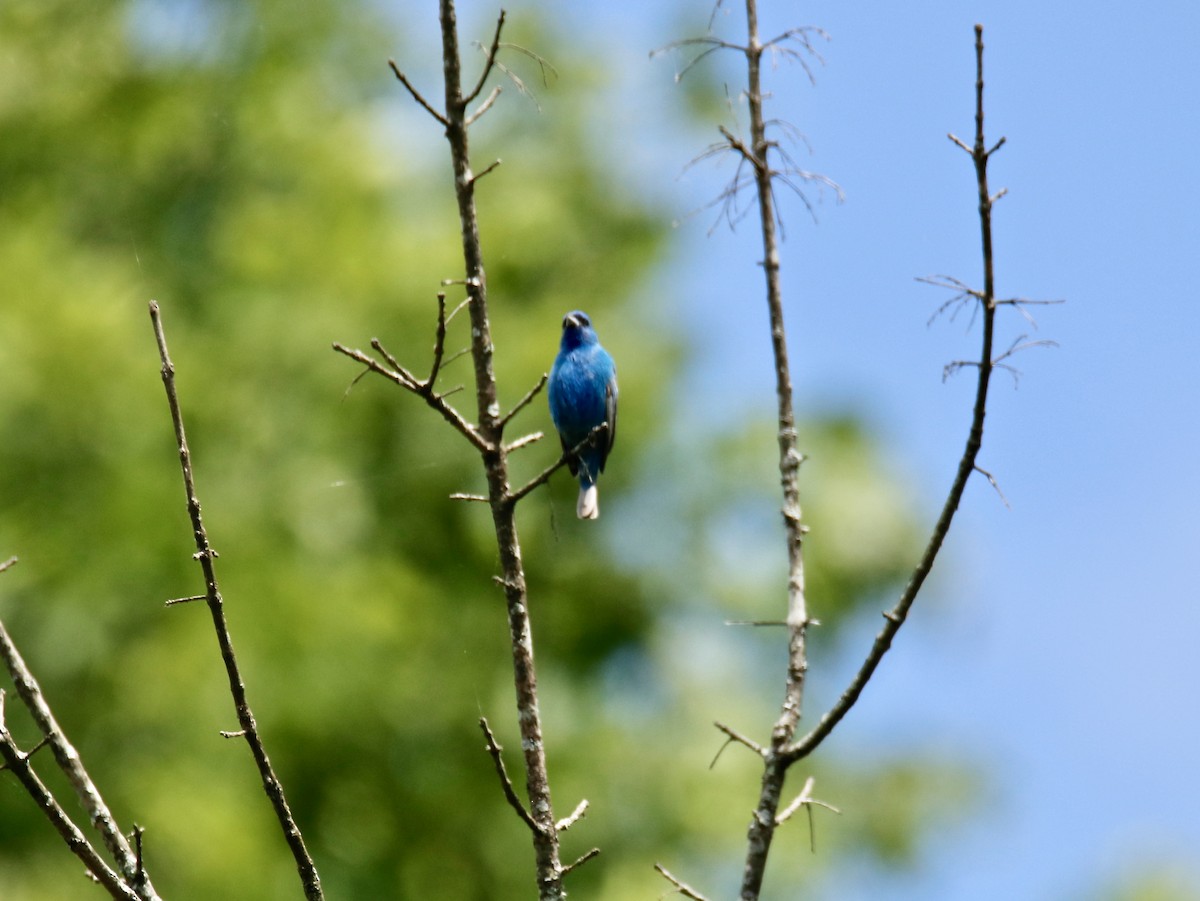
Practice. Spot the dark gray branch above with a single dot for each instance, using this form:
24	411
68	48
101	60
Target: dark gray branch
18	763
205	554
895	617
510	793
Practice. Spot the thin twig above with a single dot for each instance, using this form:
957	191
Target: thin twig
205	554
474	117
805	798
7	564
580	861
437	401
524	441
544	476
510	793
171	602
524	401
576	815
680	886
966	466
69	761
741	739
412	382
416	95
18	763
992	481
491	60
439	340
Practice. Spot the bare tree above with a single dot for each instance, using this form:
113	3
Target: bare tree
462	108
205	555
769	165
128	878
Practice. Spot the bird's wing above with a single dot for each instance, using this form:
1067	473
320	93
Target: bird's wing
610	410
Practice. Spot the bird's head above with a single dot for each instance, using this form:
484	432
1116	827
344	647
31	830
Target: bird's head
577	329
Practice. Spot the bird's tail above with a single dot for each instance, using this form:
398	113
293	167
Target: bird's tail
589	502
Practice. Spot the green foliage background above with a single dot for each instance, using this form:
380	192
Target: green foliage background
261	175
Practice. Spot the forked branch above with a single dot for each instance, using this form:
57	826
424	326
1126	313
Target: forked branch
18	763
131	877
486	434
987	305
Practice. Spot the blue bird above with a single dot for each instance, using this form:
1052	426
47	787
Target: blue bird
583	395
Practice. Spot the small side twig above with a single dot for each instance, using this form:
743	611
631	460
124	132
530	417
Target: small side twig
7	564
803	799
416	95
992	481
681	887
544	476
437	401
524	441
580	861
741	739
575	816
305	867
510	793
491	61
524	401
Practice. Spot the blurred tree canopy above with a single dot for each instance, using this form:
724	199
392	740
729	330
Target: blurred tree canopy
251	167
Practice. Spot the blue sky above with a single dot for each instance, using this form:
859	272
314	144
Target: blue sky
1064	656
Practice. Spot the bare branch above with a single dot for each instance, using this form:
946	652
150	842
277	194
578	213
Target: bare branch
69	762
474	117
490	168
75	840
510	793
405	380
966	466
439	340
544	476
487	438
805	798
171	602
544	67
580	861
576	815
416	95
711	45
740	739
8	564
411	381
524	441
205	554
992	481
524	401
680	887
487	66
1019	344
1021	303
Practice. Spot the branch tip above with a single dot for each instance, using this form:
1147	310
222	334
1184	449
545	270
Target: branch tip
681	887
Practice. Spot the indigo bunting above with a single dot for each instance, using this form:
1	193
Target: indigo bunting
583	395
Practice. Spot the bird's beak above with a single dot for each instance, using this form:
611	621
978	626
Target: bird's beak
571	321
